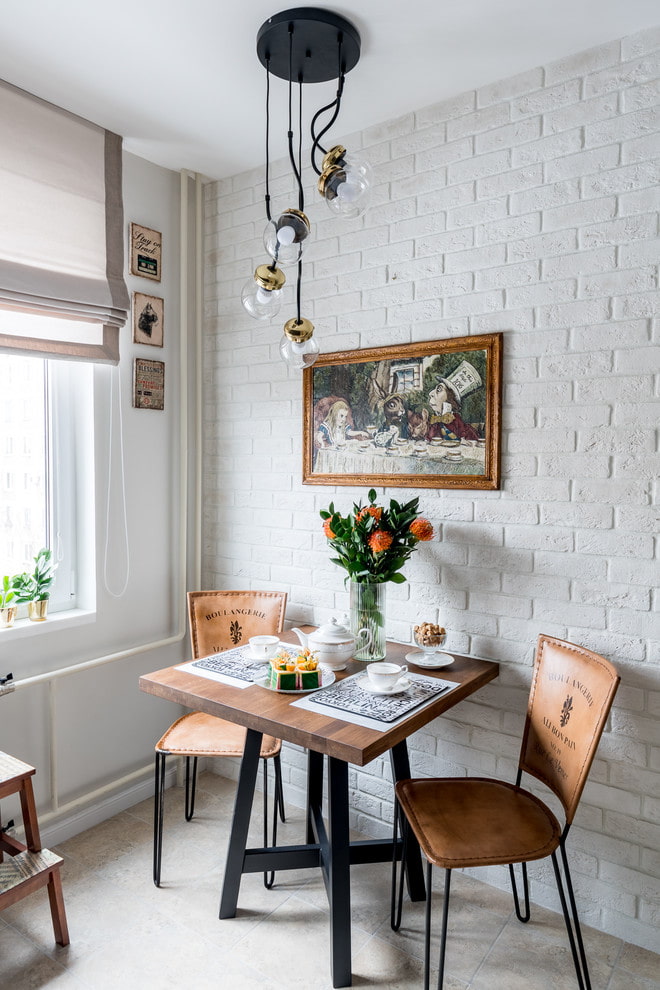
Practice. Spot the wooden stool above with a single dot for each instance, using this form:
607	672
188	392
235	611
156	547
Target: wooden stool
30	866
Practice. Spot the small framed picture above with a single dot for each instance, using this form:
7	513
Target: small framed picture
145	252
148	384
148	313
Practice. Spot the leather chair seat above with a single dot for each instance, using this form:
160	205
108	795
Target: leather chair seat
205	735
461	822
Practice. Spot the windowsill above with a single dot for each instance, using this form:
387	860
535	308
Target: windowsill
68	619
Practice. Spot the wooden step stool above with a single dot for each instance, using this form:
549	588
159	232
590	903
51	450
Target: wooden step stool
29	866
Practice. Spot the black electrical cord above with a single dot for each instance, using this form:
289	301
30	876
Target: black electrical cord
267	191
292	157
336	103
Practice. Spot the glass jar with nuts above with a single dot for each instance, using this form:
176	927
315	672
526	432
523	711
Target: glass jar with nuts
429	637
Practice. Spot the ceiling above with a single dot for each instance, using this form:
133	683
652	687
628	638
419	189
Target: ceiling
181	80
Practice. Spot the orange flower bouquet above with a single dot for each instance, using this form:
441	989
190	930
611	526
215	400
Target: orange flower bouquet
372	545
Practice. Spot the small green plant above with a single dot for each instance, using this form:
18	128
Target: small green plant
35	587
7	592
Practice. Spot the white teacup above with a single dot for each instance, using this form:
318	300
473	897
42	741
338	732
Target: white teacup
264	647
385	675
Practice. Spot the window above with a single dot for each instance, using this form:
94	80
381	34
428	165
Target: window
48	404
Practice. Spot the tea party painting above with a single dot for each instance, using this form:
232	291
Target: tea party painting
416	415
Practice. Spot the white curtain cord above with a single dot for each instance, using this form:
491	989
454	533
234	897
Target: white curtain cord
116	594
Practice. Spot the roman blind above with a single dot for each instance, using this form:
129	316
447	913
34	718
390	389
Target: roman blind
62	289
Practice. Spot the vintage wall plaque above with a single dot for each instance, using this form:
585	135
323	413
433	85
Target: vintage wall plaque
145	252
148	384
148	316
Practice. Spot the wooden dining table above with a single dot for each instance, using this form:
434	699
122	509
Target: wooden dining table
326	737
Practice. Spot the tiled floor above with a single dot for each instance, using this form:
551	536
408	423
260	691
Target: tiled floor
127	935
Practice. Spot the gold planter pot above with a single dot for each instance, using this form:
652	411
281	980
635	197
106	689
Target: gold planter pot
7	616
38	611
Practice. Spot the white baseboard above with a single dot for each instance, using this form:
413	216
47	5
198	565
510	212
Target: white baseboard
60	829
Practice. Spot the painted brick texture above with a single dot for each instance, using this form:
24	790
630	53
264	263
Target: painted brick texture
529	207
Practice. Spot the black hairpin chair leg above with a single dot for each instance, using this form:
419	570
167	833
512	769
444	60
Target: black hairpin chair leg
190	789
278	808
159	794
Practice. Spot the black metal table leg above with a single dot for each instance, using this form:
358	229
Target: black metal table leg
338	873
240	824
413	862
314	789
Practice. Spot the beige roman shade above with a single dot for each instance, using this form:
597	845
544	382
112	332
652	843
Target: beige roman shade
62	289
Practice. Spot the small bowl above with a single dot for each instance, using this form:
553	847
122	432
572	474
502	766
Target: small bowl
428	642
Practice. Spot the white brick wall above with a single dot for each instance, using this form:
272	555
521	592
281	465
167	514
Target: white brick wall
529	207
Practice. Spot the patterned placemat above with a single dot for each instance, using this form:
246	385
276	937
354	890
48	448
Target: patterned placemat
229	667
348	697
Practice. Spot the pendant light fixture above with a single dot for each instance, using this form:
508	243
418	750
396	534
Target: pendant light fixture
304	45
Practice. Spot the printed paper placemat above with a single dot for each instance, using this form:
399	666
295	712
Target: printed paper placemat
229	667
347	701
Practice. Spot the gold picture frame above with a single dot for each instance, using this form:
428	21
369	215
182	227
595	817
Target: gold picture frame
425	415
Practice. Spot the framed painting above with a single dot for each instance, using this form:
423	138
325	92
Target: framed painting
148	315
146	246
424	415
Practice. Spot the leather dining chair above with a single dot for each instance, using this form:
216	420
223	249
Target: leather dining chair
219	620
463	822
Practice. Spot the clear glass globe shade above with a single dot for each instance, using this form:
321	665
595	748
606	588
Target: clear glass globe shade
298	355
285	239
348	191
260	303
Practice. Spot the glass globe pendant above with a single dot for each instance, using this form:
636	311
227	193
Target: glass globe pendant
345	183
297	346
286	237
262	295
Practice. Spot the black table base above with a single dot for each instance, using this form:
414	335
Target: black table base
328	849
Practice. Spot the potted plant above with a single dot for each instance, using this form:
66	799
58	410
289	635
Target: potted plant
7	603
34	588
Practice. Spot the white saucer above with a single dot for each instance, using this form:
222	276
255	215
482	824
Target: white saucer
430	661
401	685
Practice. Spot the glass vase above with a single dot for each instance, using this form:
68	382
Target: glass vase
367	609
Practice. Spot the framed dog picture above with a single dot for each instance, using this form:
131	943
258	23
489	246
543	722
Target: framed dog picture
424	415
148	313
145	252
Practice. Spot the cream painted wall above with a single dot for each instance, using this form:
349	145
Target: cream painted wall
103	727
529	207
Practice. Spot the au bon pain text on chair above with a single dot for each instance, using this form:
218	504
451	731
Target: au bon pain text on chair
471	821
219	620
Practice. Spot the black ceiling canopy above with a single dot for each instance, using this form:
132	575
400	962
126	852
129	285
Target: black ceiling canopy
312	37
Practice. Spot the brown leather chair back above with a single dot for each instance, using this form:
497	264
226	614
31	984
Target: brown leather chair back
220	620
570	699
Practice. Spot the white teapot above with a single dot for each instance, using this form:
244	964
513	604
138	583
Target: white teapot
334	642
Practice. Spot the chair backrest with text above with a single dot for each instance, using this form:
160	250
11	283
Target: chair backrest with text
220	620
570	698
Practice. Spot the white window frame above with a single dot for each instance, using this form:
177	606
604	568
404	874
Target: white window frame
69	510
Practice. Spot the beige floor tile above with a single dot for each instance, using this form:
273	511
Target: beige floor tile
640	962
524	958
623	980
477	915
125	933
380	965
24	967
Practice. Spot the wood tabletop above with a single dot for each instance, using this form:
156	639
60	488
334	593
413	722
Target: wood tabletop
272	713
